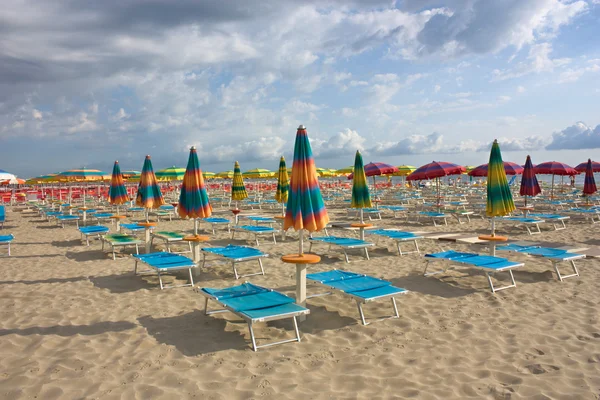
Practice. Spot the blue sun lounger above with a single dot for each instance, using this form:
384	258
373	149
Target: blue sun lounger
399	237
5	241
133	228
170	238
593	214
362	288
102	216
435	216
558	221
260	220
343	243
554	255
255	230
163	262
2	216
394	209
527	222
215	221
94	230
236	254
489	264
255	304
63	219
120	240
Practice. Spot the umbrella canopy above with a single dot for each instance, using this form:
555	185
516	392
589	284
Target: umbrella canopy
208	175
257	173
193	199
170	174
435	169
14	181
499	197
238	190
134	178
42	179
583	166
283	183
555	168
127	174
4	175
377	168
117	193
324	172
148	194
404	170
82	175
529	183
360	189
469	168
589	185
345	171
509	168
305	207
224	175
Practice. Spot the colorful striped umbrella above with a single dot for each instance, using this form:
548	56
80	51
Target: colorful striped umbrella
305	208
377	168
258	173
238	190
82	175
324	172
283	184
583	166
148	194
117	193
554	168
170	174
193	199
360	190
436	170
510	168
589	185
129	173
208	175
404	170
499	197
529	183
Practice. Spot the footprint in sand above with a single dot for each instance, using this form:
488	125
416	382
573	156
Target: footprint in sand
537	369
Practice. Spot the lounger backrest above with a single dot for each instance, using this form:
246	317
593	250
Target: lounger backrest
2	213
482	260
241	290
333	275
257	301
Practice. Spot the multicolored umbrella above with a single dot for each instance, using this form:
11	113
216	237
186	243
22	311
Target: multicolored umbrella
360	190
258	173
529	183
170	174
283	184
117	193
510	168
305	207
148	194
377	168
554	168
14	181
345	171
404	170
436	170
499	197
583	166
127	174
82	175
589	185
193	199
238	190
324	172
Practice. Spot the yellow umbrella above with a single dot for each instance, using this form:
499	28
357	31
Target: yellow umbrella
258	173
224	175
404	170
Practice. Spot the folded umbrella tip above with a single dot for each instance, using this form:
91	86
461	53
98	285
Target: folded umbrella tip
301	127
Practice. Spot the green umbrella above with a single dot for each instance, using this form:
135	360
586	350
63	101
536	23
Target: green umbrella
499	197
360	189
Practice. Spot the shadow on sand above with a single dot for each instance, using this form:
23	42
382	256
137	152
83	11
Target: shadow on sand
72	330
51	280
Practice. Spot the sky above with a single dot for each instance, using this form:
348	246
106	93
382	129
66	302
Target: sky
87	82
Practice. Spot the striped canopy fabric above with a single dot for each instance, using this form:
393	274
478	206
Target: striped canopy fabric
224	175
81	175
589	184
305	207
404	170
117	193
555	168
258	173
435	169
14	181
193	199
148	194
42	179
283	183
583	166
345	171
208	175
238	190
510	168
360	190
170	174
377	168
324	172
499	197
529	183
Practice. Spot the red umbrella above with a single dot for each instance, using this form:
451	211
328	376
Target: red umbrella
436	170
529	183
583	166
554	168
589	186
509	167
377	168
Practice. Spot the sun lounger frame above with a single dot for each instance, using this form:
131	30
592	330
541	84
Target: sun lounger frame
136	242
237	260
515	221
7	243
87	235
399	241
158	270
363	246
255	233
168	241
555	260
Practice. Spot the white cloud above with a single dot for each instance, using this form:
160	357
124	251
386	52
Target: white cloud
340	144
578	136
538	61
36	114
83	123
520	89
573	75
437	88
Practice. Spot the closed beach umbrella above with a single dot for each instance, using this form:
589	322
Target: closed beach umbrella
583	166
499	198
305	207
170	174
117	193
589	185
283	184
529	183
510	168
554	168
238	190
193	199
360	190
148	194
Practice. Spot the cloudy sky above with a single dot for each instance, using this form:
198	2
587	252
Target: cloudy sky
86	82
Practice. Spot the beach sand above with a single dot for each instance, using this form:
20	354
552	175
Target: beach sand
77	325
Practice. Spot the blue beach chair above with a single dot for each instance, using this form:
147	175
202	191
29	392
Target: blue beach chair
399	237
343	243
5	241
163	262
255	230
94	230
216	221
255	304
361	288
554	255
2	216
236	254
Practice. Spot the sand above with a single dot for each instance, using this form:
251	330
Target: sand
77	325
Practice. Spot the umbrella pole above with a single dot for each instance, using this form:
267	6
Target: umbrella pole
552	188
362	220
301	242
195	226
282	209
493	226
147	212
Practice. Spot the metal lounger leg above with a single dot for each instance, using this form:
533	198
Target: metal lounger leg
191	277
261	266
252	336
346	255
495	289
234	270
562	277
441	271
160	280
367	253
